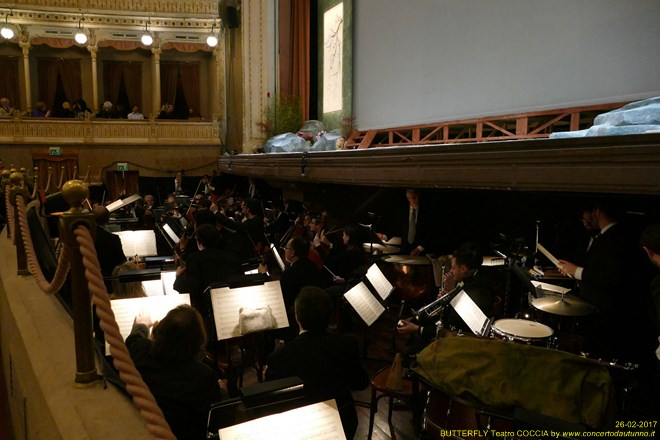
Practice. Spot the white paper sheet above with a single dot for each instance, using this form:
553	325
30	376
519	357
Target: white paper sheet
382	286
319	421
364	303
469	312
142	243
551	287
227	303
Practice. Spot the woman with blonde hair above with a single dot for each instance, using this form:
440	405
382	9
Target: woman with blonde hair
133	289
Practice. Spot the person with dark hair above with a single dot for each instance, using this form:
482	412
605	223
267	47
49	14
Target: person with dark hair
108	246
610	280
210	265
170	364
249	239
650	242
415	228
465	274
328	364
301	271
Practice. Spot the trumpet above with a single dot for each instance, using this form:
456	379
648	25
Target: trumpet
433	309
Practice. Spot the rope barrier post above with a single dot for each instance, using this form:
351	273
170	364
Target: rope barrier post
75	192
17	189
5	193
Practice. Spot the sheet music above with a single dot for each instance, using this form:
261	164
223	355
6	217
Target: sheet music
551	287
364	303
153	287
227	303
170	233
122	202
126	310
142	243
319	421
168	279
547	253
382	286
493	261
278	258
469	312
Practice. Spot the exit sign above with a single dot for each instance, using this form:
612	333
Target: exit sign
122	166
54	151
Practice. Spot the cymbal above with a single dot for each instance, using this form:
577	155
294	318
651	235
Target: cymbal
566	306
381	248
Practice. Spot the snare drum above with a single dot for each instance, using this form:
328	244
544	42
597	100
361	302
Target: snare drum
522	331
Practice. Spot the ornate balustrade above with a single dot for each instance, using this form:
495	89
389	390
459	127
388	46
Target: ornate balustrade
112	132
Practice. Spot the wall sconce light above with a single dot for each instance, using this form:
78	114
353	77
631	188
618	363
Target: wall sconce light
81	36
212	39
147	39
6	31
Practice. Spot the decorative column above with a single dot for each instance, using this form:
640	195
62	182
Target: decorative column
155	80
25	46
93	51
218	87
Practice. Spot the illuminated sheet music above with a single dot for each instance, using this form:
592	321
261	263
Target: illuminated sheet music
551	287
120	203
382	286
469	312
227	303
319	421
153	287
168	279
364	303
126	310
142	243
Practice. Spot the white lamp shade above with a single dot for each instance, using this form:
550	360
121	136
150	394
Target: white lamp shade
147	39
212	40
7	32
80	37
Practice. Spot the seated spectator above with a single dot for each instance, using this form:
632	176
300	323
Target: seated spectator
6	109
80	109
166	111
328	364
135	114
133	289
64	111
170	364
120	111
106	111
40	110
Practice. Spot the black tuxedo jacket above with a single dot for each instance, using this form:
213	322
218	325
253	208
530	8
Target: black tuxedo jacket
298	275
423	229
329	366
109	252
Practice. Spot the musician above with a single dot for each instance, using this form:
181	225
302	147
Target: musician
108	246
280	223
210	265
610	280
465	274
351	260
650	242
301	271
178	183
415	228
170	364
328	364
249	238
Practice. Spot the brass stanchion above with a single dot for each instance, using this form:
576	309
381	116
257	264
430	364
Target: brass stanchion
6	183
75	192
17	188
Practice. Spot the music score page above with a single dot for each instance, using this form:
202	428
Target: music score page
364	303
227	304
383	287
319	421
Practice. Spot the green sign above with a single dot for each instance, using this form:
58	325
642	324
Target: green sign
122	166
54	151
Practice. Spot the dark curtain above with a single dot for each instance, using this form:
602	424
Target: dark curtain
9	79
69	73
121	183
116	72
59	165
189	75
294	31
169	74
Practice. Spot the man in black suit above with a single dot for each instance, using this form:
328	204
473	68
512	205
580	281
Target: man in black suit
650	241
301	271
248	239
610	280
415	227
328	364
108	246
210	265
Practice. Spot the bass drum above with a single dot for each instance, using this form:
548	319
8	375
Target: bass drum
522	331
411	276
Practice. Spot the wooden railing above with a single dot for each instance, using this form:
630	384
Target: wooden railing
100	131
497	128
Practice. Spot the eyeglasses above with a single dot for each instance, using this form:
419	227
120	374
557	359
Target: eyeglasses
285	248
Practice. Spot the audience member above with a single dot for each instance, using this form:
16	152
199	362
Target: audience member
6	109
40	110
106	111
135	114
170	364
328	364
80	109
166	111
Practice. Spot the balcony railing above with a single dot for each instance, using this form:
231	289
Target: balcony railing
100	131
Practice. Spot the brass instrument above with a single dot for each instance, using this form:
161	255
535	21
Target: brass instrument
433	309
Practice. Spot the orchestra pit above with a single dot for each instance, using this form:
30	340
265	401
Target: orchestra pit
329	219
